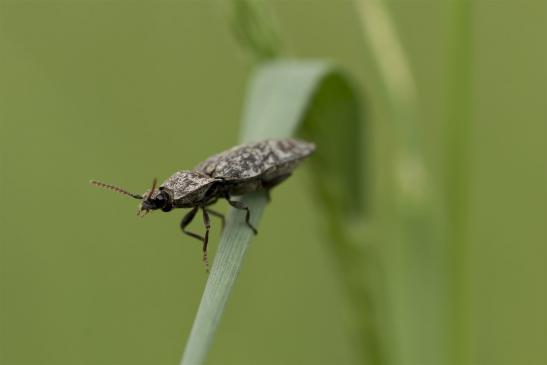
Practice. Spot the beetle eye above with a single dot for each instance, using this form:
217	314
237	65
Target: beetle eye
161	200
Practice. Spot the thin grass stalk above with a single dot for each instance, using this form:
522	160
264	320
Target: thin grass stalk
456	175
415	256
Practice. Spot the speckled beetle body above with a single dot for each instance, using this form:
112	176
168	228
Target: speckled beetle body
239	170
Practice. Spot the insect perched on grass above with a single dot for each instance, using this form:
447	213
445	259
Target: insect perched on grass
242	169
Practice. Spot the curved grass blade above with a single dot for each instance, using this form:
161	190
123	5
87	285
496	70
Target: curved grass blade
286	98
416	254
227	264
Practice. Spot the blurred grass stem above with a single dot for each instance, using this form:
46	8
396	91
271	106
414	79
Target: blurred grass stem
414	254
456	172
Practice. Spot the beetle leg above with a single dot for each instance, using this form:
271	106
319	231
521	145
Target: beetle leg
186	221
240	205
207	223
216	214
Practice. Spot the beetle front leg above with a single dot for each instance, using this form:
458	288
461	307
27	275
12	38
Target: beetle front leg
186	221
240	205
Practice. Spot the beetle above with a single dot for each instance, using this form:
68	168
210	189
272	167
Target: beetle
242	169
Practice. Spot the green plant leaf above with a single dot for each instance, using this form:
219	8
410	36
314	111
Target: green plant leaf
415	255
287	98
253	26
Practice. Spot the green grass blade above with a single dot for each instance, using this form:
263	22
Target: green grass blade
416	254
285	98
457	170
280	95
226	265
253	26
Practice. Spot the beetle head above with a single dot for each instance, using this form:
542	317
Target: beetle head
151	200
155	199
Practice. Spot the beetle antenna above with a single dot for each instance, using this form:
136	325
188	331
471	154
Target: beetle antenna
153	188
116	189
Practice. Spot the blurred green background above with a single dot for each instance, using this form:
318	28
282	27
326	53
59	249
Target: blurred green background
125	91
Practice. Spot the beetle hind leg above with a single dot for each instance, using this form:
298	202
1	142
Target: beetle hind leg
240	205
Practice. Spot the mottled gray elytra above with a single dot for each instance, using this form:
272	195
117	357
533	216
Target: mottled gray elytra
239	170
